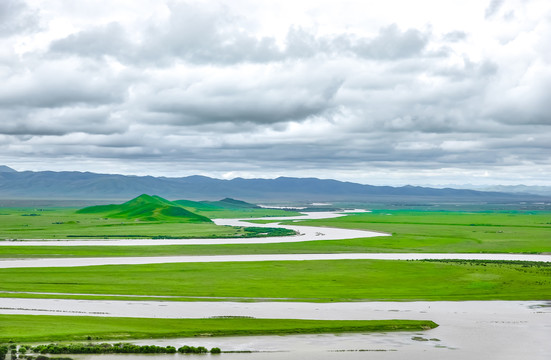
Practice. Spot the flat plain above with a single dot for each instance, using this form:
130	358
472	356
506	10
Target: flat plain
313	281
412	231
306	281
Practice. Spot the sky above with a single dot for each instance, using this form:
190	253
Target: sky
426	92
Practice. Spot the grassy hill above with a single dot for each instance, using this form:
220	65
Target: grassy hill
145	216
146	208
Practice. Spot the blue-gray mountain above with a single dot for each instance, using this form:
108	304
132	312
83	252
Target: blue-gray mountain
86	185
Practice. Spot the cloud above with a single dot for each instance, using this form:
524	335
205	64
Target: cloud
16	17
58	84
190	87
58	122
192	33
493	8
455	36
110	39
243	96
527	103
204	35
391	43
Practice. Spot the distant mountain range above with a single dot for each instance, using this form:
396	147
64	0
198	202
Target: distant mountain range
86	185
512	189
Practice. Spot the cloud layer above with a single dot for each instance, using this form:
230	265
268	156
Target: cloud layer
178	88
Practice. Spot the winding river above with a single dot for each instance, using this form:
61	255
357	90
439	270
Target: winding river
468	329
305	233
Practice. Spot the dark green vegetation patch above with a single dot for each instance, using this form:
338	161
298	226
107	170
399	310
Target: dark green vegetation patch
117	348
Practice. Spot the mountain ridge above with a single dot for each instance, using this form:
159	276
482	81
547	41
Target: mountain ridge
88	185
4	168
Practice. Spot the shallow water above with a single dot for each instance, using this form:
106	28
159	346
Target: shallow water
376	310
345	346
360	346
468	329
71	262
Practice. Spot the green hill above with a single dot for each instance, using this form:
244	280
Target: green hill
146	208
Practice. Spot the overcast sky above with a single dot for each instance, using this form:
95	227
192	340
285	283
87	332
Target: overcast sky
390	92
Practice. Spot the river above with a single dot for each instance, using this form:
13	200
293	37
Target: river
72	262
468	329
305	233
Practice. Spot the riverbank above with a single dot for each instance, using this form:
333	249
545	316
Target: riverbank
473	329
27	328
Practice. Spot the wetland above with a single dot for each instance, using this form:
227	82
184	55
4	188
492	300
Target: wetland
408	268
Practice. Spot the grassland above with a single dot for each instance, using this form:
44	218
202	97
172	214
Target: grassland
412	231
313	281
446	231
143	217
34	328
323	281
65	223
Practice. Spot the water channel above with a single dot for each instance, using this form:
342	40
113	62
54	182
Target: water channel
71	262
468	329
305	233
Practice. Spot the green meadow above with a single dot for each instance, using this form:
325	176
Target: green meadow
318	281
446	231
143	217
34	328
310	281
412	231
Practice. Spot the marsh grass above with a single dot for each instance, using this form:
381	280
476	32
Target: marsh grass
34	328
